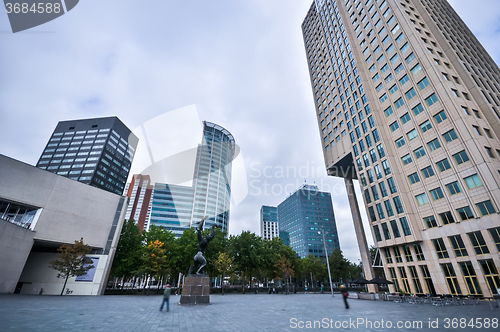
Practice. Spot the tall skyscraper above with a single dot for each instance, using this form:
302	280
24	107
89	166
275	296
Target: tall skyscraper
178	208
302	216
139	190
97	151
269	222
407	101
212	175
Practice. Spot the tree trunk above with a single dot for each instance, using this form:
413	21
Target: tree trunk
243	283
65	281
222	284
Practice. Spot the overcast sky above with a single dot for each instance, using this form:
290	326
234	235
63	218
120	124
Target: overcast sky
240	62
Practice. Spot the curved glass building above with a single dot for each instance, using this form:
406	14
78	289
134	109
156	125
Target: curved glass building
212	176
178	208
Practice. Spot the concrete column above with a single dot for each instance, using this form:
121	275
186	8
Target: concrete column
360	233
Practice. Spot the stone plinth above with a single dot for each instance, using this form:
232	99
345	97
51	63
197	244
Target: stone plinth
196	290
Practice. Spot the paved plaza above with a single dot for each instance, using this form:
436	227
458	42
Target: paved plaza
234	312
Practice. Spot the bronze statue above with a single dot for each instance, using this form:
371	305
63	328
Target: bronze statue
199	258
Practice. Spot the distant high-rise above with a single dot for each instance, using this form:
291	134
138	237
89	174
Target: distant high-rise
407	101
269	222
178	208
97	151
301	217
139	207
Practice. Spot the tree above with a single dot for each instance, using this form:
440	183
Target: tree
284	269
184	247
246	251
154	259
127	260
339	266
72	261
219	244
314	267
223	264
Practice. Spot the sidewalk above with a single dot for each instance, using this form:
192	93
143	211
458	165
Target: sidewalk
231	313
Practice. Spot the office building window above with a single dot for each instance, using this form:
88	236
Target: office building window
397	255
470	278
407	251
412	134
437	193
430	222
420	152
453	188
458	246
495	235
450	136
486	208
405	226
395	229
491	274
418	252
465	213
431	100
413	178
404	279
446	218
443	165
406	159
385	229
388	257
478	243
400	142
428	172
392	185
422	199
451	279
440	248
434	144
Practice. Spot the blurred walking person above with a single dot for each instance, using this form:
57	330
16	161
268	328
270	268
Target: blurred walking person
166	298
345	294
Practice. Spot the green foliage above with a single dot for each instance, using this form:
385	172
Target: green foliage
339	266
127	260
246	256
72	261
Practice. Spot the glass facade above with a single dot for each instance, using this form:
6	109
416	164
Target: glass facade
98	152
178	208
301	218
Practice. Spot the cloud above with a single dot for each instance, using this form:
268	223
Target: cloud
242	63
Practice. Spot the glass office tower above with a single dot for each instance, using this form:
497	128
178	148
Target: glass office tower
178	208
302	216
97	151
407	102
269	222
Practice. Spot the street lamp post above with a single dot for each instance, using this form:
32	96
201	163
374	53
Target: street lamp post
327	261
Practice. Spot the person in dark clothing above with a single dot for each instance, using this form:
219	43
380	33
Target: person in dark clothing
345	294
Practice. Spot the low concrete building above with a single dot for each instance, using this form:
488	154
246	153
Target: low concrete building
39	212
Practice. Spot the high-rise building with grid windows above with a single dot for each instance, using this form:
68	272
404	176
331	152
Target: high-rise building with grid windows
269	227
303	216
97	151
408	102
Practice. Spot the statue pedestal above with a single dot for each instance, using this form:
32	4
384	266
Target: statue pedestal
196	290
